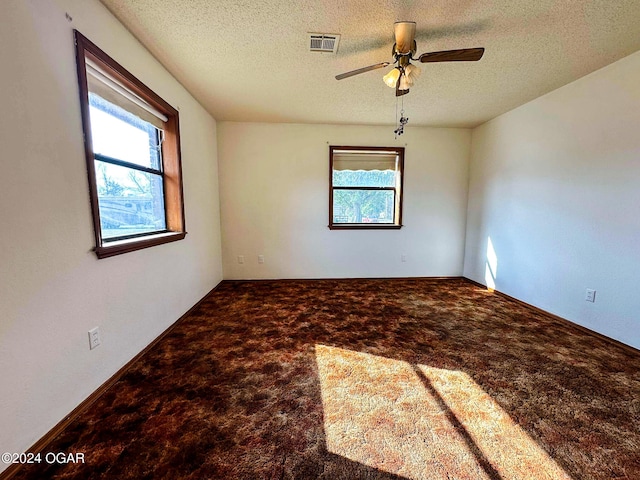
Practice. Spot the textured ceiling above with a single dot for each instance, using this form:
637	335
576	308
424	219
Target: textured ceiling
248	60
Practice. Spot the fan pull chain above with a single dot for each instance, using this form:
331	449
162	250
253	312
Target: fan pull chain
396	130
403	120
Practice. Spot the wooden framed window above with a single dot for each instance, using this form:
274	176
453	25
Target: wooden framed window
365	187
132	147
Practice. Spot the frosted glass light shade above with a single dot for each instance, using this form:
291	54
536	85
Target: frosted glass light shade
412	72
391	78
404	83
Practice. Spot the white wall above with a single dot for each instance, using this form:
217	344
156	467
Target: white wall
274	196
555	186
53	288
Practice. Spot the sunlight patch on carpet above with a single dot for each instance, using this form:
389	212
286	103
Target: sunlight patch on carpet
511	452
416	422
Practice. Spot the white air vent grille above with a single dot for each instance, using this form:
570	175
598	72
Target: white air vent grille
323	42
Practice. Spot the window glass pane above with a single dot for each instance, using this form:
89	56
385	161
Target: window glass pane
363	206
364	178
130	201
119	134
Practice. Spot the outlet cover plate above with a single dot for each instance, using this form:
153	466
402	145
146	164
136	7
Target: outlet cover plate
94	338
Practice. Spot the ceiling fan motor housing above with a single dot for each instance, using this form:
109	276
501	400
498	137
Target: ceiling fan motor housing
403	60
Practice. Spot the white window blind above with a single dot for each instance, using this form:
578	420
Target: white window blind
107	87
354	160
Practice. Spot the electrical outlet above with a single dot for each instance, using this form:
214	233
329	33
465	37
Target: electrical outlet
260	258
403	258
94	338
241	259
590	296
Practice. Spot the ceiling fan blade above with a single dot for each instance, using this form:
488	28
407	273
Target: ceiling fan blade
462	55
405	33
362	70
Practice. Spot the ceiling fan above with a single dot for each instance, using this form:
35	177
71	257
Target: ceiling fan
404	73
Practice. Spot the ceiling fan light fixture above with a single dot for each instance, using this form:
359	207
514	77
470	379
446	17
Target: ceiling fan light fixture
392	77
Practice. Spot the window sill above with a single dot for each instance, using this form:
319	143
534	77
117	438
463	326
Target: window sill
130	245
365	226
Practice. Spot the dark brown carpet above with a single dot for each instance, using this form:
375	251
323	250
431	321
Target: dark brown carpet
355	379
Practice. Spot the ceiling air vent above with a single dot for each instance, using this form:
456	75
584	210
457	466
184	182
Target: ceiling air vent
324	42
